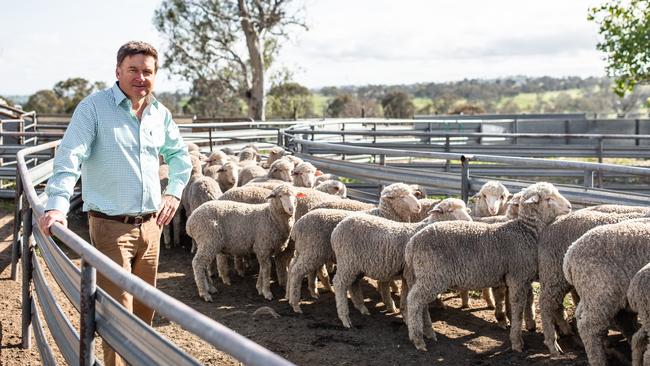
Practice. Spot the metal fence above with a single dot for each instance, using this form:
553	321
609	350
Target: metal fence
334	156
137	342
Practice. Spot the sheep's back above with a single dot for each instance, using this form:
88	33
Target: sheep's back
312	231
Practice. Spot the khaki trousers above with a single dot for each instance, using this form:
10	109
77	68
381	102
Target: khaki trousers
136	249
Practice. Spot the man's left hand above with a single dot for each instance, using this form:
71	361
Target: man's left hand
167	210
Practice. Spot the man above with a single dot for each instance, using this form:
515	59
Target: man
113	141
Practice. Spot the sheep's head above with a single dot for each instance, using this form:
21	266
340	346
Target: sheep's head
333	187
217	158
304	175
284	196
418	191
281	169
321	177
544	201
449	209
490	199
400	196
229	173
294	159
192	147
248	154
513	206
274	154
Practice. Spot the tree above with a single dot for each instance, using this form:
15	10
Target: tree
624	26
344	105
45	101
209	98
468	109
397	104
289	100
73	90
229	42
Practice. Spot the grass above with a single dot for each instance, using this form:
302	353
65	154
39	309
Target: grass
525	101
320	103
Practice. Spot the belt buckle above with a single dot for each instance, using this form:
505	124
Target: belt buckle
137	220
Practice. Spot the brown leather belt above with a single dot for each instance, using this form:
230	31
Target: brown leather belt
132	220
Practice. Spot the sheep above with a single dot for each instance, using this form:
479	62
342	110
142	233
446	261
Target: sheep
320	177
347	204
602	280
304	175
249	172
553	244
619	209
426	205
239	229
248	155
638	296
491	200
372	246
280	171
294	159
333	187
203	189
275	153
226	175
192	146
461	254
216	158
311	234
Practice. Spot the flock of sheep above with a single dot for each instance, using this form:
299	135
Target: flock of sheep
284	210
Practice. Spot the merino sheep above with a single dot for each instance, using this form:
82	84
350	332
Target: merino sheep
320	177
248	155
275	153
294	159
459	254
348	205
372	246
553	244
192	146
619	209
491	200
311	234
226	175
600	265
248	194
280	171
304	175
333	187
216	158
203	189
240	229
638	296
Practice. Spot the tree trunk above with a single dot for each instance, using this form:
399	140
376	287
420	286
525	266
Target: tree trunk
256	99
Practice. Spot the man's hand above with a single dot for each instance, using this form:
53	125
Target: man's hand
49	218
167	209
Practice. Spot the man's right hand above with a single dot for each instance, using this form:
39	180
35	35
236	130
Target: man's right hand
49	218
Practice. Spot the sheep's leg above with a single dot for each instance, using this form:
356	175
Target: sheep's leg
324	277
394	288
517	296
403	301
417	300
464	296
240	267
356	295
592	326
499	306
312	284
223	267
199	267
298	269
552	314
193	250
384	290
529	310
639	345
176	223
167	236
282	260
342	281
265	276
487	296
427	324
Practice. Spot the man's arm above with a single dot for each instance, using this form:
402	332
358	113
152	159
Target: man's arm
73	150
175	154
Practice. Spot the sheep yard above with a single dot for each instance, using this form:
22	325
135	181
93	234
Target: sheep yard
316	337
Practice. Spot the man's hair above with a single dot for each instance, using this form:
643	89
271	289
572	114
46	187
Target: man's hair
135	48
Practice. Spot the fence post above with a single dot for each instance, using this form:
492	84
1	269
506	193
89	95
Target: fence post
588	180
447	149
515	129
637	130
15	248
27	280
382	162
464	177
374	129
567	128
210	137
87	321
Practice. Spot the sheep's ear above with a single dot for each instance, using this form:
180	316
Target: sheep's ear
417	194
271	195
533	199
469	210
336	188
300	195
221	170
476	196
510	195
435	208
318	173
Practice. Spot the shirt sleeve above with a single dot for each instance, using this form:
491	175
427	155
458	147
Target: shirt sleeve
70	154
175	154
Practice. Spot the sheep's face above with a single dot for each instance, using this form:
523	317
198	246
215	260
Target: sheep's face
491	198
282	172
448	210
229	173
304	178
513	206
404	202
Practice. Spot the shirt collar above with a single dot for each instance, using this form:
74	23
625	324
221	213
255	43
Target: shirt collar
119	96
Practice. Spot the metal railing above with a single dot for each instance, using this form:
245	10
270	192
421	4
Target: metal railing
136	341
452	183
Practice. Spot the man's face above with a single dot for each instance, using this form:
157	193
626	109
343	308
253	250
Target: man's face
137	74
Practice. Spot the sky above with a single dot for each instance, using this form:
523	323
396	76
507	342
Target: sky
349	42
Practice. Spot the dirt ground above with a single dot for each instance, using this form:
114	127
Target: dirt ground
465	337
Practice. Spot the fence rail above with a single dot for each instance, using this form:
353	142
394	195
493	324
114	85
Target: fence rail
137	342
